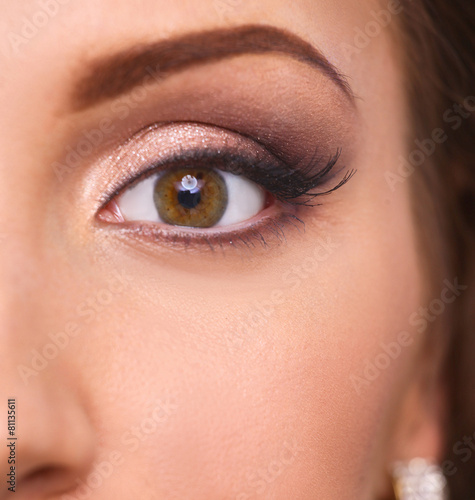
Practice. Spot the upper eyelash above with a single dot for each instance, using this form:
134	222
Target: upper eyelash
299	181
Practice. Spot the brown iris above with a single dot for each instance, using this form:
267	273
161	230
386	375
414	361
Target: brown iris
195	197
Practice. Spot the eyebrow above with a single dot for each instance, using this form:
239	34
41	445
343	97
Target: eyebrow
110	76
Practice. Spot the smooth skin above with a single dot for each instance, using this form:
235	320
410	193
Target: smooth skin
183	373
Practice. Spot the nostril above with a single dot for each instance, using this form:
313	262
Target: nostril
42	472
57	447
51	479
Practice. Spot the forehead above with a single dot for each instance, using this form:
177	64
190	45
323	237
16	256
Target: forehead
97	26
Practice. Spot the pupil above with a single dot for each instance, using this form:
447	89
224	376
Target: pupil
188	199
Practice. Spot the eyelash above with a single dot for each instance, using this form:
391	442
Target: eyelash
292	185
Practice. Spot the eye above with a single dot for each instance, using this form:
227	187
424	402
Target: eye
184	183
192	197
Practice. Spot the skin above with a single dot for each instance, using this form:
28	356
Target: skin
173	383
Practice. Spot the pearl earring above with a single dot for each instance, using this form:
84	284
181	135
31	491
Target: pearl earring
419	479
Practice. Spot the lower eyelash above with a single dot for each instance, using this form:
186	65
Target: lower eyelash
266	232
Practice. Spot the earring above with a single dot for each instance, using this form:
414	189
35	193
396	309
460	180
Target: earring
419	480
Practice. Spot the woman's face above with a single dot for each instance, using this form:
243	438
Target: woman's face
270	357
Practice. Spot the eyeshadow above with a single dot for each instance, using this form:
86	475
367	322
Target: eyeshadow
286	108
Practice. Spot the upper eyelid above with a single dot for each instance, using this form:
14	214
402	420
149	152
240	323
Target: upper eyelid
241	150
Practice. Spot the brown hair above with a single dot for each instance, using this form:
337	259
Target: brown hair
439	58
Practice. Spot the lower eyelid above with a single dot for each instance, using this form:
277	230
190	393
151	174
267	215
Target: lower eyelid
263	232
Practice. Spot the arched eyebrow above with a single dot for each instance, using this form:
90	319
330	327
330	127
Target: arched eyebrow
110	76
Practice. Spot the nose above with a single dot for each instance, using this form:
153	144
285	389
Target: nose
48	441
50	418
46	436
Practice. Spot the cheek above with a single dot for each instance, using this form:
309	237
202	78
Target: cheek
332	356
246	385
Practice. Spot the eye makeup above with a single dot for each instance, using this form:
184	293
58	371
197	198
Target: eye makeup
290	187
269	121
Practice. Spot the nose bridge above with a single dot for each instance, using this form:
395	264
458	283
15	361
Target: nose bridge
20	261
21	283
25	242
